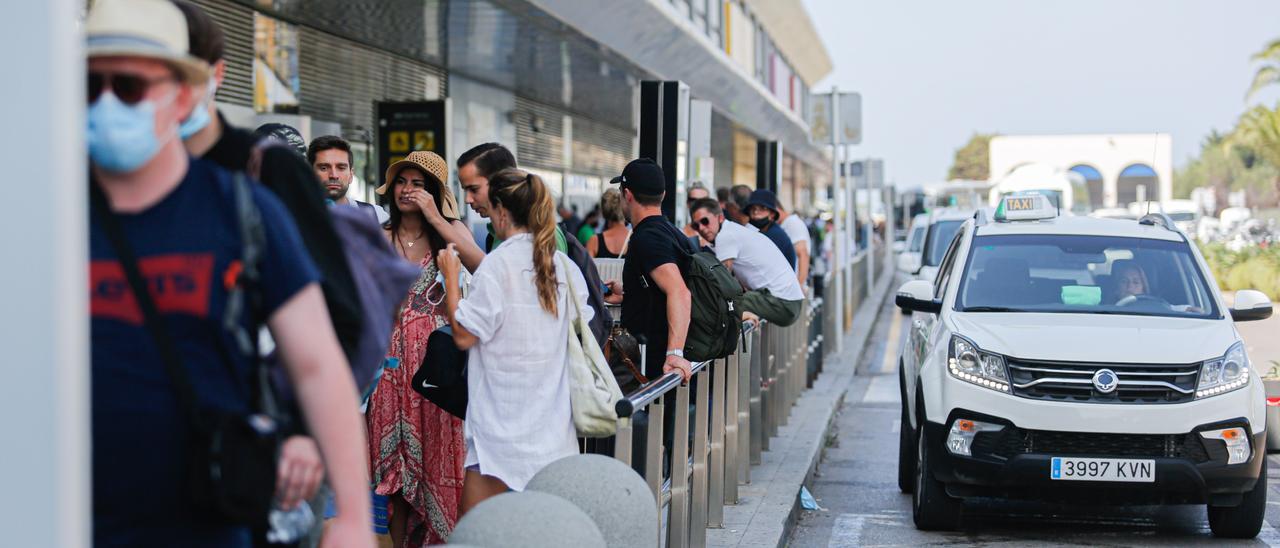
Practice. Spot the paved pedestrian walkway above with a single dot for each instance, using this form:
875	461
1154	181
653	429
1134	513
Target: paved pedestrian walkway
769	505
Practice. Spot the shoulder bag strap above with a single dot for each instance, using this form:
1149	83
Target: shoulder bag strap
169	356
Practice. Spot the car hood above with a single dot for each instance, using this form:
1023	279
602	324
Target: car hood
1096	337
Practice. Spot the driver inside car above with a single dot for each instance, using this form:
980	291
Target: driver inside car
1130	283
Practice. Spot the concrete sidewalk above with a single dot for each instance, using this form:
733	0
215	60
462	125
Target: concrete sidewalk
769	505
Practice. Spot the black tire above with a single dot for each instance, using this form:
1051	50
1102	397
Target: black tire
906	442
932	508
1243	521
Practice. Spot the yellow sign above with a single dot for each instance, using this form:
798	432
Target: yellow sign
424	140
1020	204
398	141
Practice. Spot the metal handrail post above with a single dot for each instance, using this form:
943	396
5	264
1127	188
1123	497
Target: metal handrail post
782	351
622	441
766	383
716	463
744	459
732	455
678	520
755	383
699	501
653	449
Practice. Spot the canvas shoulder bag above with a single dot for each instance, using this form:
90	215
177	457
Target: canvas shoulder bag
593	392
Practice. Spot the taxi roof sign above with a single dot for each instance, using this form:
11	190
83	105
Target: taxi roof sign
1025	207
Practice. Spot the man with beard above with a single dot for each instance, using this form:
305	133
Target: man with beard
330	157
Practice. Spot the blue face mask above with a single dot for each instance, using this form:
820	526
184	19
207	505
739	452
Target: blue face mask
121	137
199	118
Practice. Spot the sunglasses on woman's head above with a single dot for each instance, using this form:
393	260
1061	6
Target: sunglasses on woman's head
129	88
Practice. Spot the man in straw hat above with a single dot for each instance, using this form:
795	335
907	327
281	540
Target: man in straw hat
173	220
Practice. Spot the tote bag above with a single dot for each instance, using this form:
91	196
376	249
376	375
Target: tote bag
593	392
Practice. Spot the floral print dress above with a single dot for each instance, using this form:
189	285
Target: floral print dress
416	449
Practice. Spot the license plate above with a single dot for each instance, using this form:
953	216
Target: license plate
1086	469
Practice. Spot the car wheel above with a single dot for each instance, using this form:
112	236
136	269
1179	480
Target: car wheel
1245	520
906	443
932	508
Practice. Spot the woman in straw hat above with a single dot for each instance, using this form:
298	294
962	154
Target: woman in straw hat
417	449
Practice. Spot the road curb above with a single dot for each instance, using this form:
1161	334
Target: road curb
770	505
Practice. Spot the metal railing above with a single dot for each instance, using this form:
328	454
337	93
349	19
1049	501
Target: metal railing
738	404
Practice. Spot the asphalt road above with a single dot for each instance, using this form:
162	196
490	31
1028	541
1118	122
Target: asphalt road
856	487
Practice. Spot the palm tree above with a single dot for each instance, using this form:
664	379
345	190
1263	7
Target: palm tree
1269	73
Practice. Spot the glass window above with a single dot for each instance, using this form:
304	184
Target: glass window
1084	274
916	243
939	237
944	271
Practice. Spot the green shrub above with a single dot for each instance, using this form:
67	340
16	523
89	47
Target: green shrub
1253	267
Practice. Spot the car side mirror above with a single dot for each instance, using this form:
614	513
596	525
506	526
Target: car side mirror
1251	305
917	296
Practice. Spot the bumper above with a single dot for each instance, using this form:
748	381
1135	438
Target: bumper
1014	463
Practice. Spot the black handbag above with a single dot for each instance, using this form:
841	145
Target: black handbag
442	376
231	457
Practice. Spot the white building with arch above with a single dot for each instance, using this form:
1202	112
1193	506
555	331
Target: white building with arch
1118	168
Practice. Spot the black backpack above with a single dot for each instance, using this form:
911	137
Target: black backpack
714	325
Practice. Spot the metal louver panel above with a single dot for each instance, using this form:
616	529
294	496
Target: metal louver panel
237	27
341	79
600	149
539	135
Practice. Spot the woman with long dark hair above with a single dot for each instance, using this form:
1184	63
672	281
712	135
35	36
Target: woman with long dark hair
517	319
416	449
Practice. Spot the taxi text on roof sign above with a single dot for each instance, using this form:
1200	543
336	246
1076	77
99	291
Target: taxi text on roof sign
1025	207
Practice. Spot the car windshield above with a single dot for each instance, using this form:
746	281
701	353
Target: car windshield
917	239
1084	274
940	235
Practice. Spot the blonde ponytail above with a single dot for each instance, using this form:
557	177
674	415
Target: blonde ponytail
543	226
528	200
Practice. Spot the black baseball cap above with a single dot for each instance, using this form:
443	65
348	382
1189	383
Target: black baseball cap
642	176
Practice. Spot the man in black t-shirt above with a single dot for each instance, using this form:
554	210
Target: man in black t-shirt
657	304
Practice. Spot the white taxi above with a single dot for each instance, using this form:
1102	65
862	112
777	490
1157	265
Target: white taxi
1079	359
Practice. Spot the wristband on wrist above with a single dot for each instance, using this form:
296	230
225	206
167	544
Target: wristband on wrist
676	352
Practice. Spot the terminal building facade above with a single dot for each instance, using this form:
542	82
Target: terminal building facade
555	80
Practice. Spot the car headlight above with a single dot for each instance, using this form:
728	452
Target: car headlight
1221	375
965	361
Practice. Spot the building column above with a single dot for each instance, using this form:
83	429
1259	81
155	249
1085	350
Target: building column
44	318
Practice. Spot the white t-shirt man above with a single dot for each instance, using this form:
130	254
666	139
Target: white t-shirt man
756	261
795	229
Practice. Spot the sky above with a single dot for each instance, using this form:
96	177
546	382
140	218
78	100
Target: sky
931	73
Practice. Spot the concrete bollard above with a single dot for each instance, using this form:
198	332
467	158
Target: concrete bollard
526	520
611	493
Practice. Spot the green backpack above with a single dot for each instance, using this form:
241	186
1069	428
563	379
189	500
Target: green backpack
714	325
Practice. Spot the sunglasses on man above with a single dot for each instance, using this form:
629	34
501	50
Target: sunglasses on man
129	88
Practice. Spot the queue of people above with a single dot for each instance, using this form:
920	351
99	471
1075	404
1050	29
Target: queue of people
204	235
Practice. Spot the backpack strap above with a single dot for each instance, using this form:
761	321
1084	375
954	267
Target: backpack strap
245	294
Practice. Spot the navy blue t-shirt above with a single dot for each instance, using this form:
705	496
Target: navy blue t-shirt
185	245
780	239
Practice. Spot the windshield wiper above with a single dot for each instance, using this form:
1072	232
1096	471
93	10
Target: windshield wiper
992	309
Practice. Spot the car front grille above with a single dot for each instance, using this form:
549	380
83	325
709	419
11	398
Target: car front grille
1073	382
1011	441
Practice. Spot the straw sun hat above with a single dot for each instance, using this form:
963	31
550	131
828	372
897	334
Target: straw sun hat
431	164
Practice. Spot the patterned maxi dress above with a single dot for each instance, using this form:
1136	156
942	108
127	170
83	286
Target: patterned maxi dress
417	450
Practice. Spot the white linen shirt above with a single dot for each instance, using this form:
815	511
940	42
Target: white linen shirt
518	415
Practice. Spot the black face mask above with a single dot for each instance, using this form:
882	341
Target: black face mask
761	223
